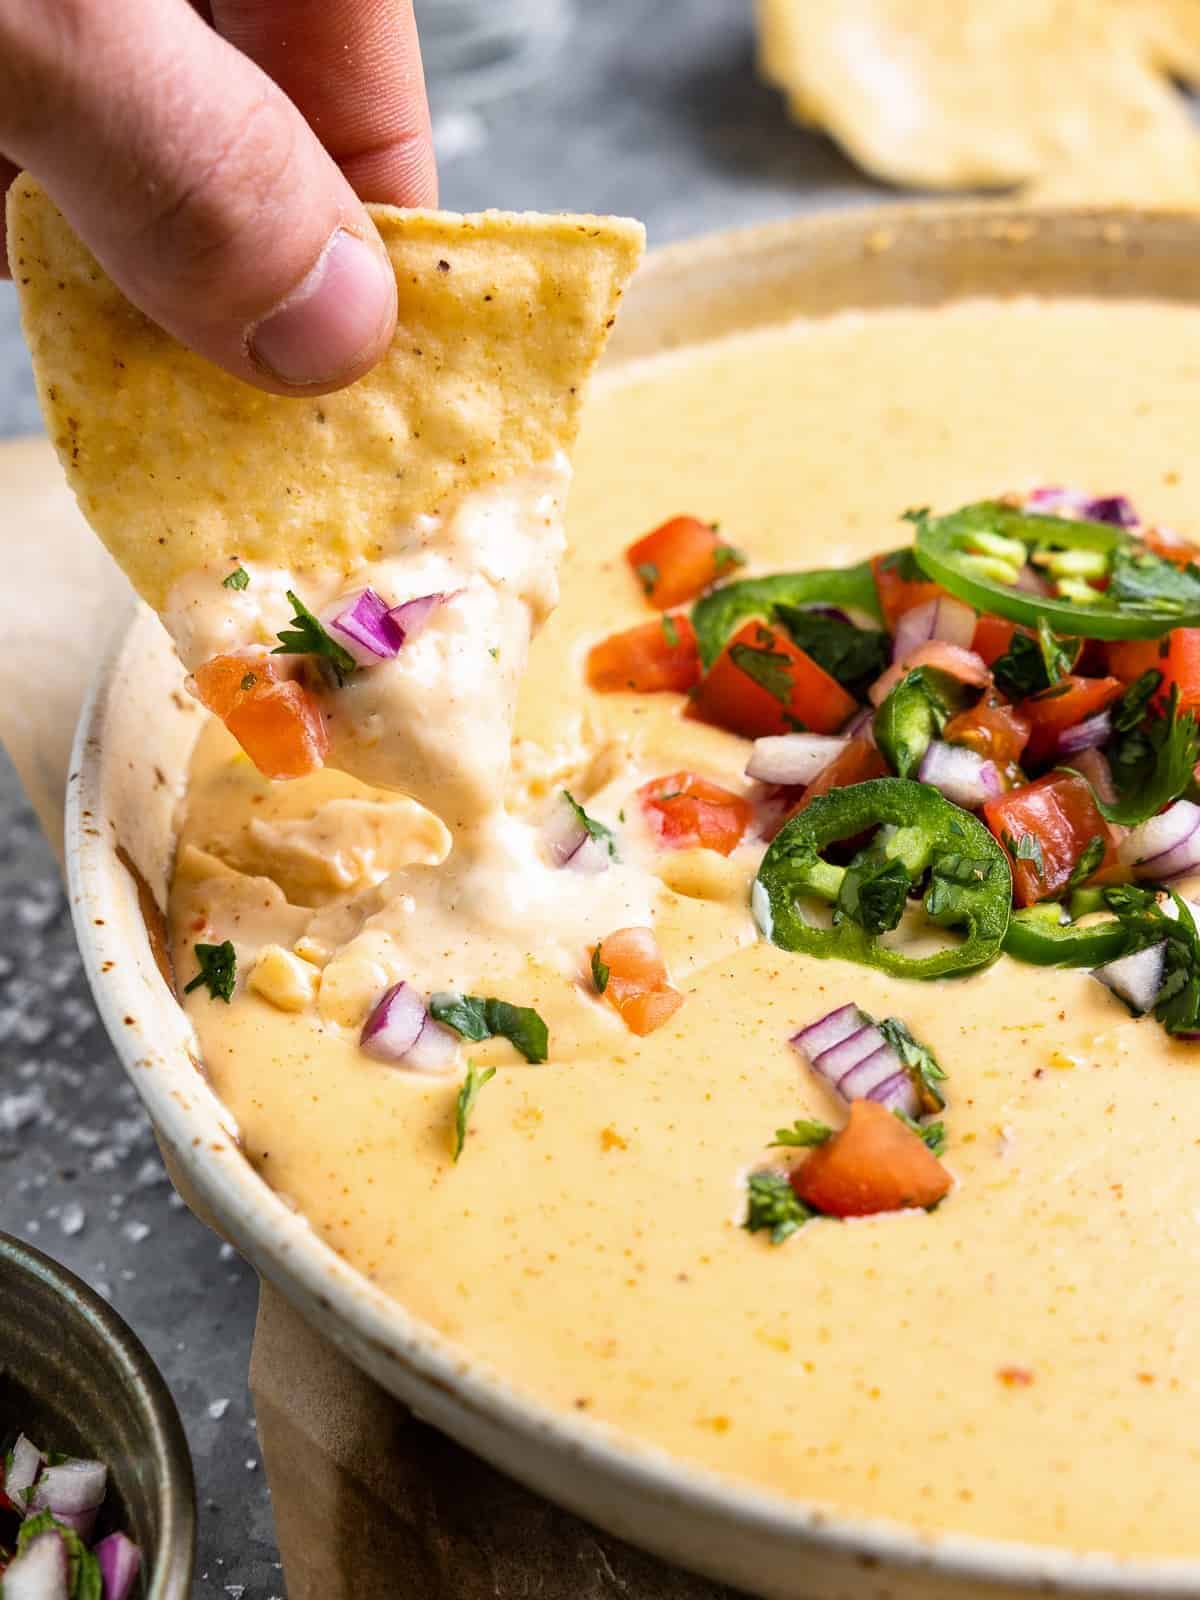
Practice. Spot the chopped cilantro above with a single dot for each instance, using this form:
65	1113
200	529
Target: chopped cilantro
1089	861
1026	847
648	575
464	1104
932	1134
493	652
599	971
307	637
802	1135
1152	765
1030	666
239	578
1133	705
249	680
727	555
1144	919
770	669
1142	581
218	970
1058	655
874	891
854	656
477	1018
671	631
771	1203
595	829
919	1062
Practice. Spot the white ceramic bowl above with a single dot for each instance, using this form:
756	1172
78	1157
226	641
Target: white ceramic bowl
128	771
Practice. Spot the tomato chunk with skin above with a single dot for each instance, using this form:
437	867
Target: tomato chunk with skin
276	720
1128	659
1060	707
687	812
679	559
898	594
993	637
652	657
1181	667
873	1164
993	729
1045	827
637	984
762	683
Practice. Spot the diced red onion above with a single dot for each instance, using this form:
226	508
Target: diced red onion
1089	734
40	1572
1136	979
1166	846
568	842
827	1031
120	1561
1030	581
793	758
365	627
592	856
82	1521
943	618
1115	509
23	1470
69	1487
1055	500
962	775
860	723
854	1058
1093	765
411	616
401	1032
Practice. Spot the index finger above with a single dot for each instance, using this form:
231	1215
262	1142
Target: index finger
353	69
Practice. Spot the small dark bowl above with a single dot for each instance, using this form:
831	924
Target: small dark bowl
75	1378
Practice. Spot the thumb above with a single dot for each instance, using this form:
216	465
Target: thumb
199	187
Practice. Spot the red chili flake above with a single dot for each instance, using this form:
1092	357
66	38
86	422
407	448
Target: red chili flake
1015	1377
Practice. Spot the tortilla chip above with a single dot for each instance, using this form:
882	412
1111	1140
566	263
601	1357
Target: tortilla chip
1073	99
177	465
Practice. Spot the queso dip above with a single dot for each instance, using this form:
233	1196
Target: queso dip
1016	1362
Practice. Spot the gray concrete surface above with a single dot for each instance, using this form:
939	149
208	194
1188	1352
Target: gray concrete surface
651	109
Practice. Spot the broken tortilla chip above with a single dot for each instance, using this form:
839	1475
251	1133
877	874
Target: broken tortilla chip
178	466
1072	99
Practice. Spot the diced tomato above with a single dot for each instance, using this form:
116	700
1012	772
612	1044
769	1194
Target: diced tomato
788	692
679	559
687	812
275	720
993	729
898	594
1045	827
1060	707
873	1164
859	761
1181	668
992	638
1127	659
650	657
1170	546
637	980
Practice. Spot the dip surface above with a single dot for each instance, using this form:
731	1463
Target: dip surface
1022	1362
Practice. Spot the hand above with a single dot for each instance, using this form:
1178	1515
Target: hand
213	159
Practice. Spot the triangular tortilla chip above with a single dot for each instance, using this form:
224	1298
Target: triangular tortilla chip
177	465
1072	98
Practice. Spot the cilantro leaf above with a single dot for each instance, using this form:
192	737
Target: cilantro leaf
1026	847
477	1018
1089	861
597	830
854	656
802	1135
239	578
874	891
307	637
931	1134
771	1203
1058	655
919	1062
1152	765
1144	919
727	555
647	575
465	1103
1142	581
770	669
218	970
1133	705
599	971
1031	665
249	679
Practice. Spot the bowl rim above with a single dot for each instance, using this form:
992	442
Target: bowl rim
408	1356
174	1486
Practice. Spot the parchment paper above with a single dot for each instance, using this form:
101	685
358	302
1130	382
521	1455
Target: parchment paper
368	1501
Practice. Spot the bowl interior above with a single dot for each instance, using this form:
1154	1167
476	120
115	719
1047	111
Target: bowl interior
76	1379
